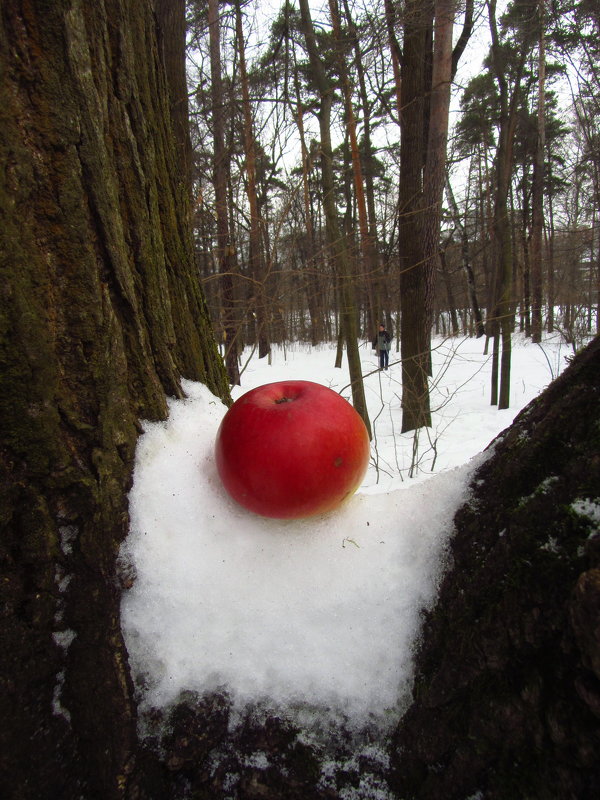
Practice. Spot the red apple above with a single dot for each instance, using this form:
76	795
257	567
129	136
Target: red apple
291	449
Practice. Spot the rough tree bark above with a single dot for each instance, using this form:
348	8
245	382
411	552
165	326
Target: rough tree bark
507	692
172	30
415	324
101	314
428	64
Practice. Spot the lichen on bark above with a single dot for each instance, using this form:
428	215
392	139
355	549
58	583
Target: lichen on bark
101	315
507	688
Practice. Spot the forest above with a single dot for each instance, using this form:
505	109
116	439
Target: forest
184	183
430	165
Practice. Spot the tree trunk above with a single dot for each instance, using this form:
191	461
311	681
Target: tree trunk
502	301
551	291
537	190
102	314
371	248
424	100
395	51
225	252
506	683
597	290
437	137
367	250
449	291
311	277
257	260
171	31
335	238
414	322
525	293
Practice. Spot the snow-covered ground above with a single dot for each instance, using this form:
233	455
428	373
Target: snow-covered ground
323	611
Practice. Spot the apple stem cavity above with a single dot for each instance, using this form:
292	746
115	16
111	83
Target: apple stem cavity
311	456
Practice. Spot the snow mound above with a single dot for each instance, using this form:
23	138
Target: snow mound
323	612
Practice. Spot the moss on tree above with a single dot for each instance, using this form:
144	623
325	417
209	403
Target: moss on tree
507	690
101	315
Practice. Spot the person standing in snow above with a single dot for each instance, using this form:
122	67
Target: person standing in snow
382	343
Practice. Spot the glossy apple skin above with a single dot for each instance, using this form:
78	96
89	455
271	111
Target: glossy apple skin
291	449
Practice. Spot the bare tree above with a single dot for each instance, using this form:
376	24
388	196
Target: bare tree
414	318
335	237
537	191
502	310
171	31
256	255
466	262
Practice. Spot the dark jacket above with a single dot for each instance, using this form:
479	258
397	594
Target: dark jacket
382	341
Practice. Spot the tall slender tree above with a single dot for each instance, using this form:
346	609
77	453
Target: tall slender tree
225	247
537	191
369	237
414	321
367	245
171	31
437	137
466	262
508	64
256	254
336	239
427	67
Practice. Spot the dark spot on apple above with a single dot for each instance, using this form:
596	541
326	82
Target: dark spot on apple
284	400
338	461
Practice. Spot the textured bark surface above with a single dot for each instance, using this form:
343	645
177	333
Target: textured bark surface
507	696
415	323
101	313
206	751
